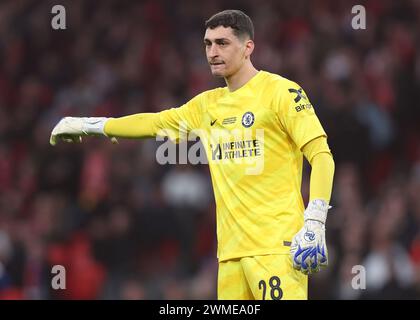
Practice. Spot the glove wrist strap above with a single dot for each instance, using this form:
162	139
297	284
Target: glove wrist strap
317	211
94	125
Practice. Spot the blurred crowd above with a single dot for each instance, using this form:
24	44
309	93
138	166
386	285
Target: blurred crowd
126	227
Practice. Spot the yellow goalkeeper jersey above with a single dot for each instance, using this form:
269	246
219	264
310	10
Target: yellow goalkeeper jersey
253	138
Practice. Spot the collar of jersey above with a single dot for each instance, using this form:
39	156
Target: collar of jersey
246	85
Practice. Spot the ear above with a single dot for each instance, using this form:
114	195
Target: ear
249	48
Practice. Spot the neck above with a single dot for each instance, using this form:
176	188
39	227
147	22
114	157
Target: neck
241	77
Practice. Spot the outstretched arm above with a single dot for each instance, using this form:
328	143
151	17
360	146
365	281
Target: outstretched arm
173	123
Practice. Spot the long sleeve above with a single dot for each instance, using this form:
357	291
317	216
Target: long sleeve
141	125
174	123
319	156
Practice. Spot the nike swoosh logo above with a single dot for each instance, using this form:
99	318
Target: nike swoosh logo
213	122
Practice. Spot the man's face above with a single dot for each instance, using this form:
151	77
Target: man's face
225	51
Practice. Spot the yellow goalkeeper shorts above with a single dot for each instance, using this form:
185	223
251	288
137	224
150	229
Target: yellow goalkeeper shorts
268	277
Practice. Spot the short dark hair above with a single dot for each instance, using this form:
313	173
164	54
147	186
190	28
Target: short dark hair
240	23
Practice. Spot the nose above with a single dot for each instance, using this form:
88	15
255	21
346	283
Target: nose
212	51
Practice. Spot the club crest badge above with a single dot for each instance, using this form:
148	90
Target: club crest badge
248	119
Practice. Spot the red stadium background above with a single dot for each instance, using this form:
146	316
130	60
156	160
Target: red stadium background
125	227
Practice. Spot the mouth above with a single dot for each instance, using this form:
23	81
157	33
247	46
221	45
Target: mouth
216	63
217	66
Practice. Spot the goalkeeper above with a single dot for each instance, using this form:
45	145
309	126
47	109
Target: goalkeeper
268	242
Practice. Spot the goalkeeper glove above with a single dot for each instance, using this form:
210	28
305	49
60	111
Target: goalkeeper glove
71	129
309	250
